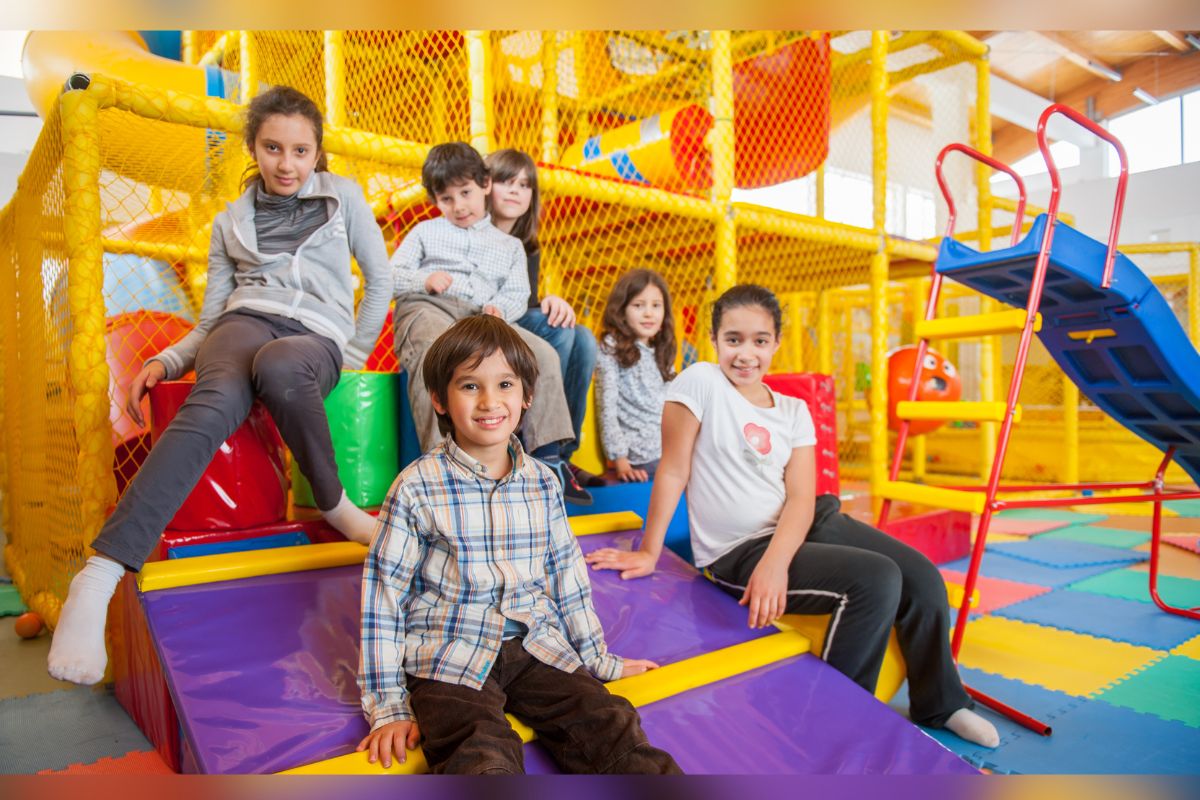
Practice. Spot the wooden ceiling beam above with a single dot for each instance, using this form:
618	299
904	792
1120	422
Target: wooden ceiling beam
1080	55
1173	39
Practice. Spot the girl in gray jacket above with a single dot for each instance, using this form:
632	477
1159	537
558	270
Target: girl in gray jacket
277	324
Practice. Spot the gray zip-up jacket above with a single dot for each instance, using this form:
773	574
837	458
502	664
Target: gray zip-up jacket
313	286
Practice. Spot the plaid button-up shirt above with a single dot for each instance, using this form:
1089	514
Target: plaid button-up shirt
488	266
457	553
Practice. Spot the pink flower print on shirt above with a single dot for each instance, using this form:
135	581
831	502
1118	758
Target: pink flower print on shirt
758	437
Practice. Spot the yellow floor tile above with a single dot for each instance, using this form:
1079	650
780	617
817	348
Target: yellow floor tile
1061	660
1190	648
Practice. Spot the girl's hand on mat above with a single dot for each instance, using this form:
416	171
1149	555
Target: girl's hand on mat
636	666
766	593
152	373
559	313
627	473
438	282
632	564
395	737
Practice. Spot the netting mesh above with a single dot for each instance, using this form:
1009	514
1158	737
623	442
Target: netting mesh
650	157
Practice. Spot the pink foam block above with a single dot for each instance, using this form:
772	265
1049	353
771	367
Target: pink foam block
995	592
1186	541
941	535
1021	527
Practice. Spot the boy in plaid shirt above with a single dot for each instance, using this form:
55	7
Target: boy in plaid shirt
476	599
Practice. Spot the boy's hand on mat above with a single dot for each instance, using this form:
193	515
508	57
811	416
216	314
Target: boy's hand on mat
438	282
636	666
151	374
766	593
559	313
627	473
631	563
395	737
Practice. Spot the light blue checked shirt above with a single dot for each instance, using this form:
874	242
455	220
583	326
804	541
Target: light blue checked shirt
488	265
458	553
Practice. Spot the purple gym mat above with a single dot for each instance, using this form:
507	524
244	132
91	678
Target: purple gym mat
262	670
798	716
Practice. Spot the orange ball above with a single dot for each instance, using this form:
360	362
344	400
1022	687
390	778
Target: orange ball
939	380
28	625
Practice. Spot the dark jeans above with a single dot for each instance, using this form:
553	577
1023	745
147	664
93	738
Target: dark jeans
247	354
868	581
576	348
586	729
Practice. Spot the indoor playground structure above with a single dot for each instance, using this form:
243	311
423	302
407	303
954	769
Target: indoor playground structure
235	649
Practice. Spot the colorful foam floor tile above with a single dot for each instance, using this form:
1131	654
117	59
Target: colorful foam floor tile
995	592
1051	658
1055	514
1106	537
136	763
1133	585
1169	689
1016	526
999	565
1190	648
1184	541
1092	736
1108	617
10	601
1184	508
57	729
1059	554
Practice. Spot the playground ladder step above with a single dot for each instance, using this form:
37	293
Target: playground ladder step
1010	321
965	410
953	499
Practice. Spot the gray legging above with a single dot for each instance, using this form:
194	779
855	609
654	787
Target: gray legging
247	354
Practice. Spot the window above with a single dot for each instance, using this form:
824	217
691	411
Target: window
1064	154
1152	137
1191	127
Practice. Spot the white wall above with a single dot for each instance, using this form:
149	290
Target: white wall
17	134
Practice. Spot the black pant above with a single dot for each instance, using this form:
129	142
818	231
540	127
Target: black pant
586	729
246	355
868	581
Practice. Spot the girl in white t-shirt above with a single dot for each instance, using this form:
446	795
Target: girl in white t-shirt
745	455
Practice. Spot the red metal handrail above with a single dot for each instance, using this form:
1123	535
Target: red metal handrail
994	164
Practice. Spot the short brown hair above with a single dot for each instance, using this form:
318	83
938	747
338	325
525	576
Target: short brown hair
449	164
469	341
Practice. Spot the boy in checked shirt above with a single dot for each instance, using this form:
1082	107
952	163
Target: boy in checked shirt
476	599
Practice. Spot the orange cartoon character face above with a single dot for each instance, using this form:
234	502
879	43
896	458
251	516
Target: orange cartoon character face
939	381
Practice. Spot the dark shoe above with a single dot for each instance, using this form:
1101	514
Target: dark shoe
585	478
573	493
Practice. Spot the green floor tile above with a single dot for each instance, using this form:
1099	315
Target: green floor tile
1051	514
1110	537
1184	508
1169	689
1131	585
10	601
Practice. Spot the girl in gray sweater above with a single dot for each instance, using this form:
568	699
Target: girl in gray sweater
277	324
635	362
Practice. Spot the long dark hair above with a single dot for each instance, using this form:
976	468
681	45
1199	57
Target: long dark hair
624	340
285	101
504	165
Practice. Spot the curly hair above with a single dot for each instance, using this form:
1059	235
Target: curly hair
623	343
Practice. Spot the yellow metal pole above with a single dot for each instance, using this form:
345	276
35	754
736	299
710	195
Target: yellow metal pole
918	298
87	366
879	261
820	179
479	73
190	53
990	351
725	268
1070	431
335	82
549	97
825	337
1194	293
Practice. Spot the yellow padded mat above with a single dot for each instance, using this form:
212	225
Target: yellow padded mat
1056	659
1190	648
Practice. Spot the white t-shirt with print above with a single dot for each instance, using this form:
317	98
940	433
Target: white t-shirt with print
736	490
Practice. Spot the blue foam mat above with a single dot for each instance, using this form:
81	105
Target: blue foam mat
1089	736
999	565
1059	553
1107	617
635	497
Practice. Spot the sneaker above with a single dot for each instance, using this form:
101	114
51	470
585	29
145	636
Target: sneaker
585	478
573	493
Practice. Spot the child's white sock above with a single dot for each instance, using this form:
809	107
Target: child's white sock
972	727
353	523
77	650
